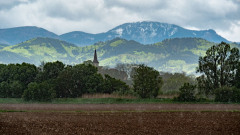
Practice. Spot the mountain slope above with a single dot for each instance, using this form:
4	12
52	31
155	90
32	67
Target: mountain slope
44	49
173	55
7	57
17	35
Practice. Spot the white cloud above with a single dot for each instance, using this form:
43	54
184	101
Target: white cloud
233	34
96	16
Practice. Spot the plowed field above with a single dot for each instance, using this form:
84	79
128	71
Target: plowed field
120	119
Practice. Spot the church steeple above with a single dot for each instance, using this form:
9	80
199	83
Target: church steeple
95	60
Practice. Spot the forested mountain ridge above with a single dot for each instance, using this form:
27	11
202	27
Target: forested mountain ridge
142	32
41	49
173	55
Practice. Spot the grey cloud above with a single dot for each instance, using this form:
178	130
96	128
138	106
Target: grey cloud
101	15
202	14
60	9
8	4
137	5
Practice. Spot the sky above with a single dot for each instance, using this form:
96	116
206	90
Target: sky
96	16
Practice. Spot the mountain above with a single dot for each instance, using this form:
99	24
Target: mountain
152	32
80	38
17	35
172	55
142	32
41	49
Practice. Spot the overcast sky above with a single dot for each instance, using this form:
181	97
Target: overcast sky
95	16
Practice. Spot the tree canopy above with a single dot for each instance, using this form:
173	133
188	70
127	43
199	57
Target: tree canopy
55	79
146	81
218	67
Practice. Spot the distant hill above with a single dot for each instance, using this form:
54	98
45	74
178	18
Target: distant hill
3	45
142	32
17	35
172	55
42	49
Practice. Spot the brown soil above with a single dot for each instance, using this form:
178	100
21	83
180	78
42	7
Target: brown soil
120	123
109	119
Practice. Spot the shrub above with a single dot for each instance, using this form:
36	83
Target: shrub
235	95
39	92
223	94
129	93
227	94
16	89
187	93
114	85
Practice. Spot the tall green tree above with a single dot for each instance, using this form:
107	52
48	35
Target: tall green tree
237	77
218	67
14	78
24	73
51	70
77	80
66	85
5	90
39	92
146	81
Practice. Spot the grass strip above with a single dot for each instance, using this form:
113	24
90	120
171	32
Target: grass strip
118	111
104	101
3	111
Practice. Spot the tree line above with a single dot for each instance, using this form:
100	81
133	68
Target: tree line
57	80
54	80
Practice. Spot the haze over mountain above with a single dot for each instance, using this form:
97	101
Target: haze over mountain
17	35
142	32
173	55
3	45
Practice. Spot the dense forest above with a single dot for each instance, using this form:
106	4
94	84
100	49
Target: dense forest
54	79
57	80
